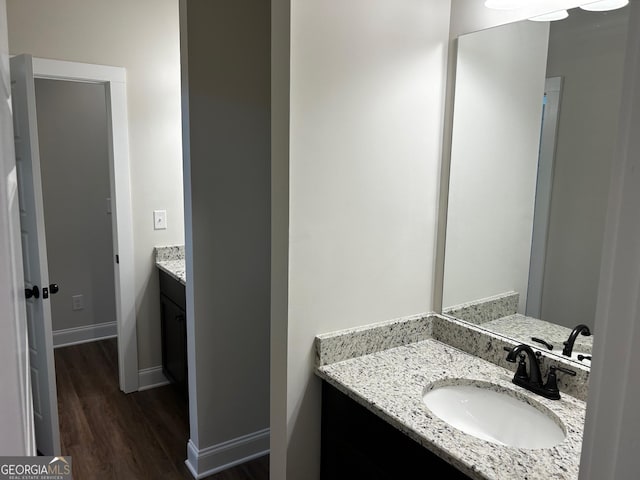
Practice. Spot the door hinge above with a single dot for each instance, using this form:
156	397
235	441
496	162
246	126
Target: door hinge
117	258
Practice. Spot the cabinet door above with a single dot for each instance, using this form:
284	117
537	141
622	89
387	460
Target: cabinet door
356	443
174	342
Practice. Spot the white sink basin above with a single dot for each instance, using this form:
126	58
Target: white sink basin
494	414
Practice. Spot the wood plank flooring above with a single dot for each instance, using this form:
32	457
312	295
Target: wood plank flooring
112	435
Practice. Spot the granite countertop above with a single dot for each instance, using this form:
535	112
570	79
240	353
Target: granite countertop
170	259
391	382
522	328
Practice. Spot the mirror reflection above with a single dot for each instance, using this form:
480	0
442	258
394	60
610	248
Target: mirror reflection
535	126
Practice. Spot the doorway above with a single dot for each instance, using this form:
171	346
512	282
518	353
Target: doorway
112	80
74	165
544	184
24	71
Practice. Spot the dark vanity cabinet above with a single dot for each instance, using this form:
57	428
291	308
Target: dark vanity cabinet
174	331
358	444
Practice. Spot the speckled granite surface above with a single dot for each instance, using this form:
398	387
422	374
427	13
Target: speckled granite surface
349	343
489	346
522	328
390	383
170	259
486	309
498	315
170	252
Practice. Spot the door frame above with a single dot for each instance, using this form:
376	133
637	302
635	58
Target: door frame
114	80
544	194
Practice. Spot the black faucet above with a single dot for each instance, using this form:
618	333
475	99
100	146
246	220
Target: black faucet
533	380
568	345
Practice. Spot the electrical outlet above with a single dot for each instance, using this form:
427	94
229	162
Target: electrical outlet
159	219
77	302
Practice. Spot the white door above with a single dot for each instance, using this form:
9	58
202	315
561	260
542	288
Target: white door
34	253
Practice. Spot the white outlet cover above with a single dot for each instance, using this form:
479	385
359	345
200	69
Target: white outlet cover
77	302
159	219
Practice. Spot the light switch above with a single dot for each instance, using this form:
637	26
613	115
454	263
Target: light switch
159	219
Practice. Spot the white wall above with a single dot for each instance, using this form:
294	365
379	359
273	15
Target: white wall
225	55
366	102
587	50
74	158
16	414
497	115
143	37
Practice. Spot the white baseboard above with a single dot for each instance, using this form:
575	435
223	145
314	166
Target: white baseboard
84	334
207	461
151	378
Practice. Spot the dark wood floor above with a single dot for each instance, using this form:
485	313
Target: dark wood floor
112	435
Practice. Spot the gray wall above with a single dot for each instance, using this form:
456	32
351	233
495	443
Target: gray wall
226	108
280	115
610	445
72	130
589	55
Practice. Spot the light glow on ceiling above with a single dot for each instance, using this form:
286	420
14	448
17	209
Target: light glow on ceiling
599	6
604	5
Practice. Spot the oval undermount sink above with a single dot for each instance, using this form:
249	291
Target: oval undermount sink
493	413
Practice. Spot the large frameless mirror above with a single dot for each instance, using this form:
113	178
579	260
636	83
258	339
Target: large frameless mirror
535	126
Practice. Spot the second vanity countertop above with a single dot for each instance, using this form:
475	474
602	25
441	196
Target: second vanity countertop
390	383
175	268
171	260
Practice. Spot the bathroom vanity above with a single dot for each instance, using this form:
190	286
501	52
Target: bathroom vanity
173	317
375	419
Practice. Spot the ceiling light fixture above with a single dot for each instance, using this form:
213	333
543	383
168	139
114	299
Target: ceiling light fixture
551	17
604	5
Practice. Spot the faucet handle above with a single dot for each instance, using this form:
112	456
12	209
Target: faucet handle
553	368
521	371
551	386
543	342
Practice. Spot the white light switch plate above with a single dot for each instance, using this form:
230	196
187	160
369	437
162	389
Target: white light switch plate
159	219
